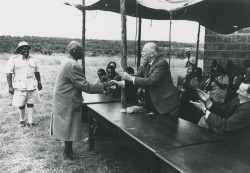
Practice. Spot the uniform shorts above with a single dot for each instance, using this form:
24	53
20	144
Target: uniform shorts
20	98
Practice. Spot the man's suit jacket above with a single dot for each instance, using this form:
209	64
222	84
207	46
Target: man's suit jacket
229	118
162	92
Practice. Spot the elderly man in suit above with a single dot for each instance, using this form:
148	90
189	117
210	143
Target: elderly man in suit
154	75
66	117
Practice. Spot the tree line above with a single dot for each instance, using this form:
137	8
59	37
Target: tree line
52	45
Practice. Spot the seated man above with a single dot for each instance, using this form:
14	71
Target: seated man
232	117
102	75
113	64
112	75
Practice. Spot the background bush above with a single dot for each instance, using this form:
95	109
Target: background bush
50	45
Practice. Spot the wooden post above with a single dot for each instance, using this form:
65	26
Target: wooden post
83	37
124	47
139	45
170	33
197	45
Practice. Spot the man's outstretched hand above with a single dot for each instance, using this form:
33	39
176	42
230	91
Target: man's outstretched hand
126	76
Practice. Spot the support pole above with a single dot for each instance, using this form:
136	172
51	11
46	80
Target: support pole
197	45
170	33
124	48
139	45
83	36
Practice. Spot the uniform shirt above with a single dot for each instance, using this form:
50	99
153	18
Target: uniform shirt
23	71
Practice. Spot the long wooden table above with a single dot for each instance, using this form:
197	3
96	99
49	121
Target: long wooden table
98	98
95	99
230	155
148	134
220	157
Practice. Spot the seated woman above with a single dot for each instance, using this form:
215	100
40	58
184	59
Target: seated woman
217	85
191	82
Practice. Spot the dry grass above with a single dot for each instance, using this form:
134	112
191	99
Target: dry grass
33	150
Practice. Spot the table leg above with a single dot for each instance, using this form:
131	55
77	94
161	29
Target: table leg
91	132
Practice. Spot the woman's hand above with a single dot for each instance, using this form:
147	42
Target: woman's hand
205	98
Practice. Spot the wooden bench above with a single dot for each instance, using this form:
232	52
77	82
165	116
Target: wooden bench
149	135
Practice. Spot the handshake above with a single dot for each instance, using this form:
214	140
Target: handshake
113	84
117	83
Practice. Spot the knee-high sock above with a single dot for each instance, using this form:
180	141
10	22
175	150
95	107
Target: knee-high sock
21	114
30	114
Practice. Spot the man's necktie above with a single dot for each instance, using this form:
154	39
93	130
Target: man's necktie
148	69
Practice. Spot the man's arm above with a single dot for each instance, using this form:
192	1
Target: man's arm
9	80
220	85
159	72
238	120
140	72
38	78
78	79
223	110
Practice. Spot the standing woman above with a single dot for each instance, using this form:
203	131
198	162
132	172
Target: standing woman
66	117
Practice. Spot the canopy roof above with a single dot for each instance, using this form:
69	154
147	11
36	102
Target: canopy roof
221	16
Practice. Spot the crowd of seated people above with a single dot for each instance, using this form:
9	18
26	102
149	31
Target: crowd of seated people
222	87
115	90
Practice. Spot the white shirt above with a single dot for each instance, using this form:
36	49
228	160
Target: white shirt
23	71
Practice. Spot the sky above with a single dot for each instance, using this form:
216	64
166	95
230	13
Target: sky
51	18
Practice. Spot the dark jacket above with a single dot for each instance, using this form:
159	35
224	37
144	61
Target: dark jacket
231	117
162	92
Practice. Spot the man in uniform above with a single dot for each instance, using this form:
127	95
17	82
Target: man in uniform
23	79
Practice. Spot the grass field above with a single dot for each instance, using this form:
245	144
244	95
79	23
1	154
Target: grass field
33	150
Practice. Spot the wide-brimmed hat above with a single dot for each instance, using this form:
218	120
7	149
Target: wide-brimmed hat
22	44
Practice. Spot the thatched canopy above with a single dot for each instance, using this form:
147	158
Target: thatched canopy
221	16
